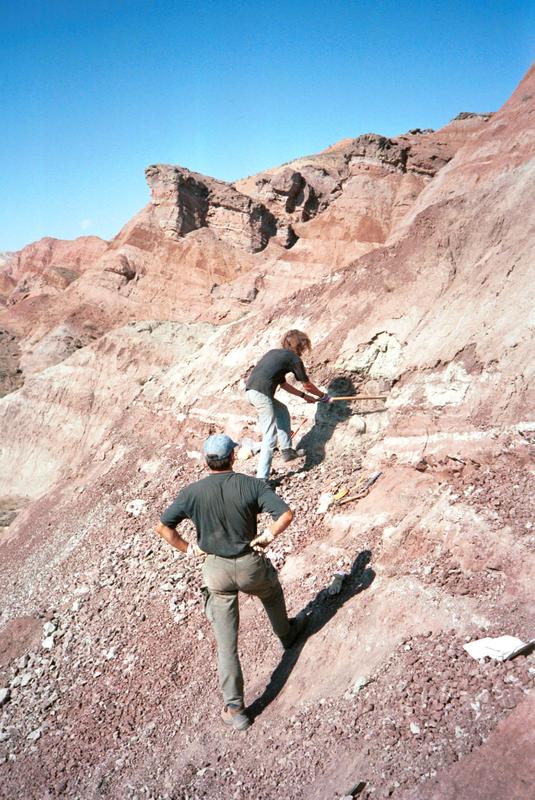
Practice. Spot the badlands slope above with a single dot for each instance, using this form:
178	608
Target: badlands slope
410	262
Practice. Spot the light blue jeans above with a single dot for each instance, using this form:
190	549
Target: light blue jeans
274	421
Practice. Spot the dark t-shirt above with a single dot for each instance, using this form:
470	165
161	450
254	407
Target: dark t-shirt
224	509
271	371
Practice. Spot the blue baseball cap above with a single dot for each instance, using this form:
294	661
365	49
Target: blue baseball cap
219	446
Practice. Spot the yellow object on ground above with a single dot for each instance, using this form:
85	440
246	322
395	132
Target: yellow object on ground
341	493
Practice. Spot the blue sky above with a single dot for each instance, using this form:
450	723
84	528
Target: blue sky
93	92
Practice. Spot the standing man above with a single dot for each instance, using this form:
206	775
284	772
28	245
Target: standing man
224	507
273	416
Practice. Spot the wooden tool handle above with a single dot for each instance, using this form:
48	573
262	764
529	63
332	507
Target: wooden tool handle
358	496
362	397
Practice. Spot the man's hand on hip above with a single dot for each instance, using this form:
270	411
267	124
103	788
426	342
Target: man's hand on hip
262	540
194	551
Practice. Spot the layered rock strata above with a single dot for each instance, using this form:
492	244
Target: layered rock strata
99	617
184	201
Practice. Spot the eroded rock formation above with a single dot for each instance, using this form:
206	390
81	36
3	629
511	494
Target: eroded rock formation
184	201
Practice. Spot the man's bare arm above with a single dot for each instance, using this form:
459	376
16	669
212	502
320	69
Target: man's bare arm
279	525
297	392
313	389
282	522
172	536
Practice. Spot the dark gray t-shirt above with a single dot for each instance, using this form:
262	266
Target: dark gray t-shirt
224	509
272	369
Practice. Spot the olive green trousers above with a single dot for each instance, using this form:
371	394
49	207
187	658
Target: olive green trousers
254	574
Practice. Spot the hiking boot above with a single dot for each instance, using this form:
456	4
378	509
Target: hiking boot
236	718
290	454
297	627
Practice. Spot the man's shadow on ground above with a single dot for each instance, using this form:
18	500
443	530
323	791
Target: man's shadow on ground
319	611
328	416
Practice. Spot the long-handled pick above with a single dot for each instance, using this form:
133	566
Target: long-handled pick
362	397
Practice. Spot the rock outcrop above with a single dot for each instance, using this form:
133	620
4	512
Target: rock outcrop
184	201
259	241
50	264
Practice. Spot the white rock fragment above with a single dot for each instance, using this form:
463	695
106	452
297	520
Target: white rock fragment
150	467
325	501
415	728
5	695
26	679
49	627
499	648
110	654
360	683
34	735
136	507
48	643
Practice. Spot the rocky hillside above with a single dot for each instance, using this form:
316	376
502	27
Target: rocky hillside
408	261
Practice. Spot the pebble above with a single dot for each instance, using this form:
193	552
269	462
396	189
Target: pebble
5	696
49	702
360	683
49	628
415	728
34	735
48	643
136	507
23	661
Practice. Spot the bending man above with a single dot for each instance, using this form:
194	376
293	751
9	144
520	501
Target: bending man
273	416
224	507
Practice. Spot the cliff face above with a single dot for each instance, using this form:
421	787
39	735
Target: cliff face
183	201
409	262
